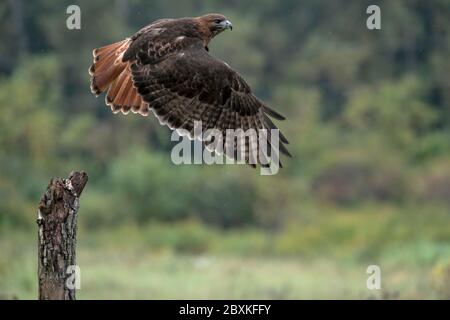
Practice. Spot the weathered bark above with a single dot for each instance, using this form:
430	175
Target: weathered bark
57	223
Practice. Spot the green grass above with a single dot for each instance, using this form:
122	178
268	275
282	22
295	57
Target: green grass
130	274
321	259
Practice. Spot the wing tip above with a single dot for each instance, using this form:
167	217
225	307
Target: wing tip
273	113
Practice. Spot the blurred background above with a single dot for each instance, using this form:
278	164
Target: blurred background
368	120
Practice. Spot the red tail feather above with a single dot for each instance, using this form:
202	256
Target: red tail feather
109	73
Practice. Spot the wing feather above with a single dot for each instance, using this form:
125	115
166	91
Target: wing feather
181	83
190	86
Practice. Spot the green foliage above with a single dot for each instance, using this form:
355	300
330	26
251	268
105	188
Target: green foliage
320	260
353	176
368	111
441	278
397	110
368	123
151	181
28	111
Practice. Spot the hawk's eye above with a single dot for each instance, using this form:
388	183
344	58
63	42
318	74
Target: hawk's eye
217	21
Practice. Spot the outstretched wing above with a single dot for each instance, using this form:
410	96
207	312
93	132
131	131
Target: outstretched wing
186	84
110	70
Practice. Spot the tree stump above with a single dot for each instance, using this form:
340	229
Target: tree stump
57	237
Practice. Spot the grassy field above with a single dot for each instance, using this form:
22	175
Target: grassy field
132	263
136	275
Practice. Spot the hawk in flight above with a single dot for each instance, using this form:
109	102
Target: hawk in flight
166	68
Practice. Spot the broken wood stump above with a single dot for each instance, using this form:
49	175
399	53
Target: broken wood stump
58	273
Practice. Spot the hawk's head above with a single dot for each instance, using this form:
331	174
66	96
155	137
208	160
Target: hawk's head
216	23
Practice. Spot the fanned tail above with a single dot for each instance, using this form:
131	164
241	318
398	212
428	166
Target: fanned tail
109	73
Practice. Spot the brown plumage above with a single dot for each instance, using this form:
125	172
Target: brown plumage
165	67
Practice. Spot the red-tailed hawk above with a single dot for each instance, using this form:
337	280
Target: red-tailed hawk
165	67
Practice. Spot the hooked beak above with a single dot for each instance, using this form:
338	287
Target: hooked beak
227	25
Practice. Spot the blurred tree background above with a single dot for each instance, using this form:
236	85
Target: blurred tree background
368	120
